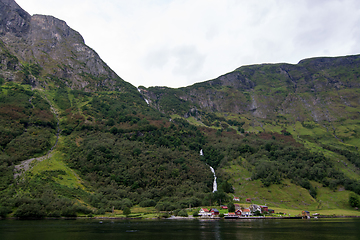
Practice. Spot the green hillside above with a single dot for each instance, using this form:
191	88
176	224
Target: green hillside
77	140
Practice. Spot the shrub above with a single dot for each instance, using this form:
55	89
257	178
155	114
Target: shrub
354	200
182	213
30	211
100	211
4	211
196	213
69	212
231	207
127	211
147	203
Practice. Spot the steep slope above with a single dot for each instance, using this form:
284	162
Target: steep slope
48	50
320	94
316	102
113	151
296	91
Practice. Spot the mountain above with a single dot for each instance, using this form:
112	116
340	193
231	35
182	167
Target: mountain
315	101
76	139
299	92
52	51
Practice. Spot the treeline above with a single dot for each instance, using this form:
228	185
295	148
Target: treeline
274	157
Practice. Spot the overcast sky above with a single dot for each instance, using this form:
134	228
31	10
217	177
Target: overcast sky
176	43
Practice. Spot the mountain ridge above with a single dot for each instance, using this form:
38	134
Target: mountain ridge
306	76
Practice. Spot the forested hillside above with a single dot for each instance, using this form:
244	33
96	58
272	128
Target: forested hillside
76	139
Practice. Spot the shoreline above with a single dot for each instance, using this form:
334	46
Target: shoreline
178	218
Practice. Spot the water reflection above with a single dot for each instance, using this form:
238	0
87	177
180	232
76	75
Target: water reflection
348	229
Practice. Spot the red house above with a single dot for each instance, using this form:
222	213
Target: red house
264	209
214	211
248	200
238	212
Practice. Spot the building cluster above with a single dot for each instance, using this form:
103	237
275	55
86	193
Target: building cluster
253	210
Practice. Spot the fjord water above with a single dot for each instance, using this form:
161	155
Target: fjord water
178	229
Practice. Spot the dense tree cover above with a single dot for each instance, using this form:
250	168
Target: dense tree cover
128	153
27	127
40	196
144	170
26	123
274	157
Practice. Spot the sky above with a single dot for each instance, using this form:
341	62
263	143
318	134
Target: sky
176	43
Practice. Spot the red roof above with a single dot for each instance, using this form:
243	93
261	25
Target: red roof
246	210
205	210
231	213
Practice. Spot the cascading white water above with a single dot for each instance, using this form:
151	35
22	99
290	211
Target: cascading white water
147	101
215	184
213	171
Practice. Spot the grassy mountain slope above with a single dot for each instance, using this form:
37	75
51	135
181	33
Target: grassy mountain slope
315	102
113	150
281	134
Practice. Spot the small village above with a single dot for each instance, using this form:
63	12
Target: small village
253	211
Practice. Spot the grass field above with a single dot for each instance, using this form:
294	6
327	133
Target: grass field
55	162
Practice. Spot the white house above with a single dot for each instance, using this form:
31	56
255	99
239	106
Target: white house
204	212
246	212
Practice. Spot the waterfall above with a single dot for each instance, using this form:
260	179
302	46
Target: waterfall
147	101
215	184
213	171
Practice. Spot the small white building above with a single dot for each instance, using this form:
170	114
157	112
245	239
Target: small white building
204	212
246	212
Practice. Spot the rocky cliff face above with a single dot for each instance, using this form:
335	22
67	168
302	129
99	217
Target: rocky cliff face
319	89
55	49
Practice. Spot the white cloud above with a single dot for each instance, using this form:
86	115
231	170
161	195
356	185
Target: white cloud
179	42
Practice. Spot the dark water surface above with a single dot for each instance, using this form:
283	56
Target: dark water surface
346	229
